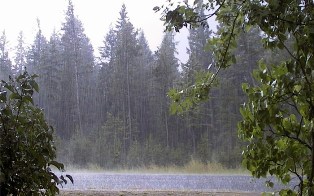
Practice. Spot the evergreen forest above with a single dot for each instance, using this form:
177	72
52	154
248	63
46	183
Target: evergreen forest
113	111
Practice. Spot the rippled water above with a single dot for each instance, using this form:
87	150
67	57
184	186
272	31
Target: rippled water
176	182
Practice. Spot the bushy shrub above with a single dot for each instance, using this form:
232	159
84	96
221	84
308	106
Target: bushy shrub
27	150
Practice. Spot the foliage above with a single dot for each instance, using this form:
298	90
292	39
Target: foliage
132	114
79	147
26	142
20	57
5	62
202	149
108	115
135	155
110	137
278	125
278	117
185	99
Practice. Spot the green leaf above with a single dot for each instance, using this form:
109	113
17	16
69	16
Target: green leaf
233	59
34	76
14	96
58	165
269	184
34	84
9	87
70	178
27	99
286	179
21	76
31	140
63	179
196	2
297	88
281	144
156	8
268	194
286	192
245	87
3	96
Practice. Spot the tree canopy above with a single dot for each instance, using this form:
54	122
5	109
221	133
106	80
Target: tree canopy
277	120
26	142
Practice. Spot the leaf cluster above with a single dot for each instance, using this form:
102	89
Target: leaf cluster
279	115
277	126
185	99
26	142
278	20
179	16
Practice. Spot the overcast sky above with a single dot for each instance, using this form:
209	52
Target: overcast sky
96	16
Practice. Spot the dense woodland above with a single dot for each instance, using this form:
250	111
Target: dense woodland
113	111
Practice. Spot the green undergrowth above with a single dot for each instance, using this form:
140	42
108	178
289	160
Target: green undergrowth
193	167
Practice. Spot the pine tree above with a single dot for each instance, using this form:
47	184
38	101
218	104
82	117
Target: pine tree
36	62
198	121
20	55
105	77
229	96
5	62
125	82
165	75
53	68
118	75
78	63
143	88
126	51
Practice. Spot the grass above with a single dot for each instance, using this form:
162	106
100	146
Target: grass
193	167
